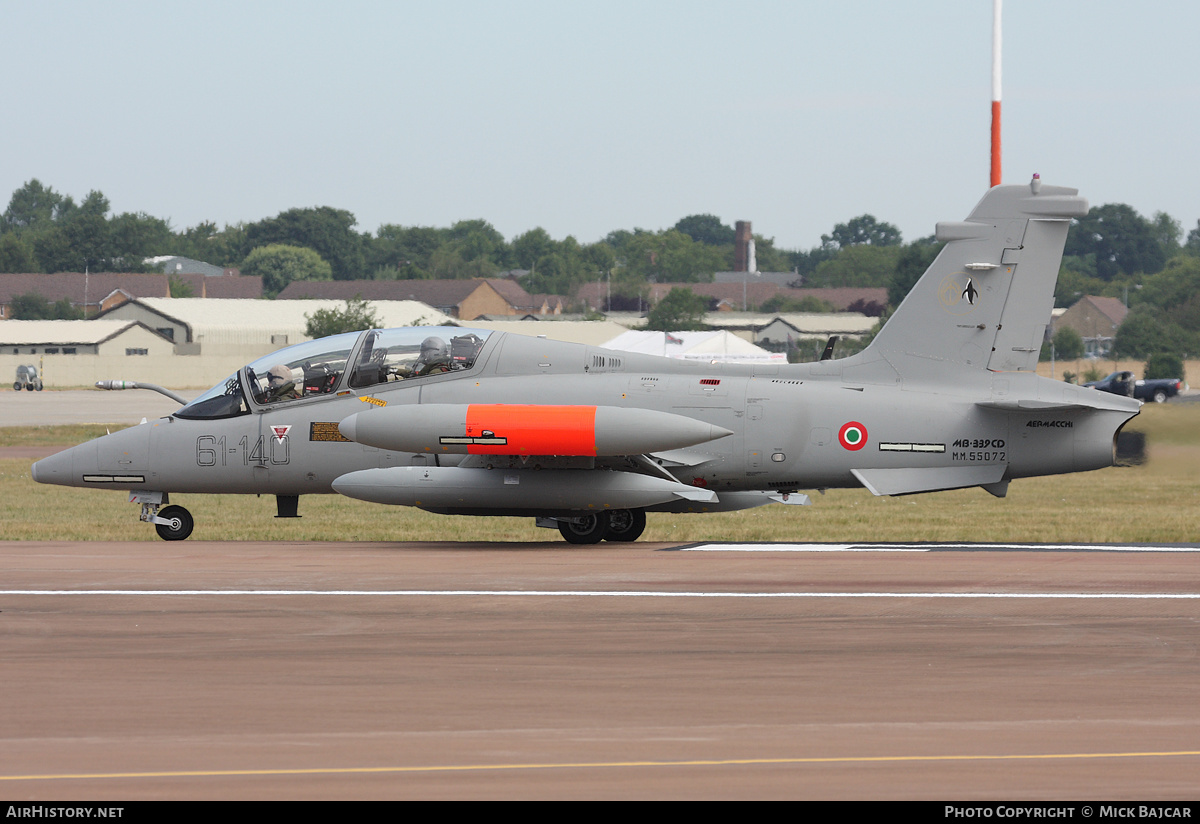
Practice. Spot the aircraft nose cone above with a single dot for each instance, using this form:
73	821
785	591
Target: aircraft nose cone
348	427
54	469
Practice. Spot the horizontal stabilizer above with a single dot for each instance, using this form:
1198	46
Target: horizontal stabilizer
1028	405
931	479
1093	401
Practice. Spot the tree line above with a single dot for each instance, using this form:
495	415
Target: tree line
1113	251
43	230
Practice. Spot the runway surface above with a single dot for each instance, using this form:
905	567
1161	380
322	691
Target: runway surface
55	407
363	670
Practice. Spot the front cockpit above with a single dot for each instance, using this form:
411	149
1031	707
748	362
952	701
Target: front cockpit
337	365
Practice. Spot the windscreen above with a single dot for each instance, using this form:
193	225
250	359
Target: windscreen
225	400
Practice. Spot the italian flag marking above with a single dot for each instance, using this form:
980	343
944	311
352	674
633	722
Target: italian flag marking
852	436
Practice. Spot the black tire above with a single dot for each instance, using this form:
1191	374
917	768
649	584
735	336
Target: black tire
39	386
1160	396
591	529
180	526
29	387
16	386
626	524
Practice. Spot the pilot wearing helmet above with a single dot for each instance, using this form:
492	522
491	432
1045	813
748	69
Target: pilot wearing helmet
280	383
434	358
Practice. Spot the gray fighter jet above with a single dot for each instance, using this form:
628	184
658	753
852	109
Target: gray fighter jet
464	421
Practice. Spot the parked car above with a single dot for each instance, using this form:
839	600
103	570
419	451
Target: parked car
27	378
1123	383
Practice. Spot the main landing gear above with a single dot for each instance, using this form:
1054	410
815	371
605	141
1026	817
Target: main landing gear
617	525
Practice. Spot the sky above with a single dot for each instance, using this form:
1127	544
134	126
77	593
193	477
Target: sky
586	117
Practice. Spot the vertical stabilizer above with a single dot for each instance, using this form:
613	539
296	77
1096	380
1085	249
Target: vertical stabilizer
985	301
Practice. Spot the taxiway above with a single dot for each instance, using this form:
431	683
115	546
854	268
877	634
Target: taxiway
364	670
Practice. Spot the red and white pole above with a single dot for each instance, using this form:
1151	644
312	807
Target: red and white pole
996	92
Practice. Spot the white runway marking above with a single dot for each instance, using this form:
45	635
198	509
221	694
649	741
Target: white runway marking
582	593
866	547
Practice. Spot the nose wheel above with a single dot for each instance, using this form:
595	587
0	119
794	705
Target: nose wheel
173	523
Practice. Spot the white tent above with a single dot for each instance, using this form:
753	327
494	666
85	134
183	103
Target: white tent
719	346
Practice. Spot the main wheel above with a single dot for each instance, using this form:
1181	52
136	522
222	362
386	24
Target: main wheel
180	526
626	525
590	529
1160	396
17	386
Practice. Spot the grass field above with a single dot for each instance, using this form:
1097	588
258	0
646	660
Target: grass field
1156	501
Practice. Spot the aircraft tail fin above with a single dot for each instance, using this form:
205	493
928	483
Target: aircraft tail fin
985	301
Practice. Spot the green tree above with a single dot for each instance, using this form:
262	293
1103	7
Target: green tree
1192	245
783	303
681	309
532	246
404	253
1178	281
355	317
1068	344
31	205
859	265
1118	239
15	254
35	307
860	231
1167	231
179	287
477	241
278	265
53	250
1164	365
220	247
670	257
135	237
1144	333
706	229
327	231
1074	281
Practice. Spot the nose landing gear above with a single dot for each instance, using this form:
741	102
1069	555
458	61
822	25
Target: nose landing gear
172	523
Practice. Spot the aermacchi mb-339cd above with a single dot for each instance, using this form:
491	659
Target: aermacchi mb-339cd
464	421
